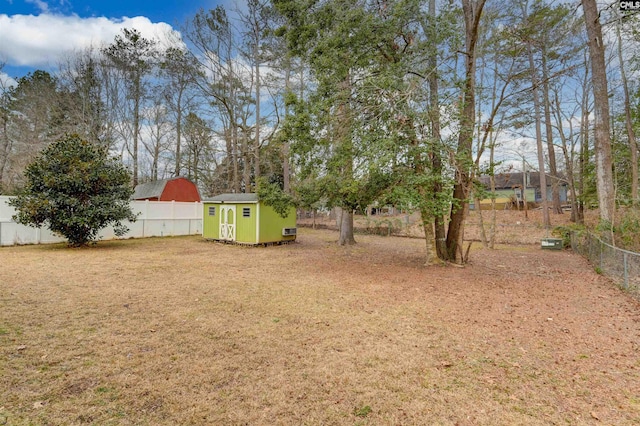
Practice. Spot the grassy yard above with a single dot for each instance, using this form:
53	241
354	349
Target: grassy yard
180	331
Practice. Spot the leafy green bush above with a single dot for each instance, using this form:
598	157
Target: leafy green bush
75	190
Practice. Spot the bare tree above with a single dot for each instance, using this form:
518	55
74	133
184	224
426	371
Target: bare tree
33	114
257	22
6	141
156	138
198	138
135	57
180	70
83	75
213	36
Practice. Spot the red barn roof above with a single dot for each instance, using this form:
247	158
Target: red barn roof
174	189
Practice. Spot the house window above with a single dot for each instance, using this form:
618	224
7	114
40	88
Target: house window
212	210
246	212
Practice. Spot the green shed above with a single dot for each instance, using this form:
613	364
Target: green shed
242	218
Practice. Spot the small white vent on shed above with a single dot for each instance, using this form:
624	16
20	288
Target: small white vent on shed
289	231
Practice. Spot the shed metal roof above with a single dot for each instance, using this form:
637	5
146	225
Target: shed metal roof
150	189
512	180
234	198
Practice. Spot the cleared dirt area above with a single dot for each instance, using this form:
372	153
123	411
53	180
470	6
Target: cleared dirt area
182	331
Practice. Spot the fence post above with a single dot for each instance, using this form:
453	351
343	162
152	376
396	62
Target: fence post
601	253
626	271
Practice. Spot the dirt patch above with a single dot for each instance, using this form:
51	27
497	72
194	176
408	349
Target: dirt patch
183	331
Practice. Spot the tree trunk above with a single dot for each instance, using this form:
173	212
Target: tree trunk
492	180
427	226
155	161
346	228
343	139
538	118
136	128
246	160
286	180
584	160
472	12
234	155
178	134
256	143
604	169
633	145
440	233
553	169
568	160
5	148
583	157
483	233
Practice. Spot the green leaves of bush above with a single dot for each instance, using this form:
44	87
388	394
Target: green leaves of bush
75	190
272	195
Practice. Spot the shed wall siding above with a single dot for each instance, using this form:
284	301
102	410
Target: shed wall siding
263	225
211	224
271	224
246	226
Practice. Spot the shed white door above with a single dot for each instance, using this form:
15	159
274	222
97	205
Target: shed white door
228	223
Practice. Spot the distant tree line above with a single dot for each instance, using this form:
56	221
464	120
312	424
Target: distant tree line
345	103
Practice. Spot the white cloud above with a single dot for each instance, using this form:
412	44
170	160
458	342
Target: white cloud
43	6
37	41
6	81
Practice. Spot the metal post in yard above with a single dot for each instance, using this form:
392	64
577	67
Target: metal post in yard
626	271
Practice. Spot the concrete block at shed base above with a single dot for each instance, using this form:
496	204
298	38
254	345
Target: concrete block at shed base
552	243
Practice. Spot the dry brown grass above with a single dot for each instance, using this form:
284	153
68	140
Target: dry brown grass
182	331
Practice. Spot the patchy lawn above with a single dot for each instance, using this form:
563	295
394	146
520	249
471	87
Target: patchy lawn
182	331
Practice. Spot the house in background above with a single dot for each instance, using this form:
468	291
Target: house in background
513	188
242	218
173	189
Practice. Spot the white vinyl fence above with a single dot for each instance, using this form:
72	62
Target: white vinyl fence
155	219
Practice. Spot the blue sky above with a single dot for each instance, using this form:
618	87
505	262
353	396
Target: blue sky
157	10
36	34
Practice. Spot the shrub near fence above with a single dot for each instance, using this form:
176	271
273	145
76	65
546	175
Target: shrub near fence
155	219
621	265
